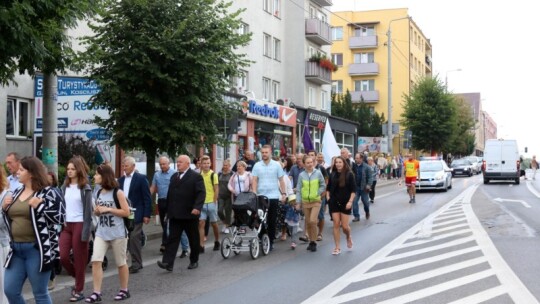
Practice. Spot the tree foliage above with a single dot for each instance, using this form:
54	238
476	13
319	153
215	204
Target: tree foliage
33	36
162	67
370	123
430	113
463	138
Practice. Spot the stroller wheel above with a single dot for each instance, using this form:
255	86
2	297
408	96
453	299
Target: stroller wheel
254	248
226	248
265	242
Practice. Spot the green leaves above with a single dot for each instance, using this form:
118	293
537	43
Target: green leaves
370	124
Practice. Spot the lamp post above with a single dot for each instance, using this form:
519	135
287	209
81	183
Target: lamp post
389	45
446	78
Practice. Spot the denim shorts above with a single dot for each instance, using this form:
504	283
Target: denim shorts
209	210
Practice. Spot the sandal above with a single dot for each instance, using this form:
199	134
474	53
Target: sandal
93	298
76	296
336	251
122	295
319	237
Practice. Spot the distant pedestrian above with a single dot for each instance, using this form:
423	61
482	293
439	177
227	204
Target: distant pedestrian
269	180
382	163
534	166
249	159
364	180
375	172
111	232
209	211
411	167
340	195
31	216
185	200
13	160
136	188
225	196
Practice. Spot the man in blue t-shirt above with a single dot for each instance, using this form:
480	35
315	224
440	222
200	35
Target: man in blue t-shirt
269	180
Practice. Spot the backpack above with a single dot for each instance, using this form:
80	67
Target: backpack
129	222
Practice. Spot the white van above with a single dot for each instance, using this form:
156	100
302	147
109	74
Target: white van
501	160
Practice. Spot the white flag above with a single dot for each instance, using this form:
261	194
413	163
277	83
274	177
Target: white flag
329	144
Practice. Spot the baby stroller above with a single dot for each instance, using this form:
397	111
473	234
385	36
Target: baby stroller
249	227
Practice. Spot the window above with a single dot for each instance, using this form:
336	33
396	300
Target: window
277	49
277	8
344	140
364	85
337	86
364	31
321	16
18	117
243	29
266	6
275	90
312	12
337	59
266	89
337	33
311	97
324	101
240	82
267	45
364	58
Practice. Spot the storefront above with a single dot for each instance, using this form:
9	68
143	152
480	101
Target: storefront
316	122
267	123
345	132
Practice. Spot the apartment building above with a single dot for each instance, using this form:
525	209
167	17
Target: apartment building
360	49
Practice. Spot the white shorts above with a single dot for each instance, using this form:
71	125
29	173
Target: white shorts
119	248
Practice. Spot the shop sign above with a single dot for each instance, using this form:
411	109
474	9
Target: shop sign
317	118
269	112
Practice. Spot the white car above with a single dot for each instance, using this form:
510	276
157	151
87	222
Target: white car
434	174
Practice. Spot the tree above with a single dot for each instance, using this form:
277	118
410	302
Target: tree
430	113
370	123
342	106
162	67
33	36
463	138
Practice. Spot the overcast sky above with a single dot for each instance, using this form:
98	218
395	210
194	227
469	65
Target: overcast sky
494	43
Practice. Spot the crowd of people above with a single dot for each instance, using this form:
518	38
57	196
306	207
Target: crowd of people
44	223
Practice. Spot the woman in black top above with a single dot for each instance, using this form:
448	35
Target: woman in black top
340	195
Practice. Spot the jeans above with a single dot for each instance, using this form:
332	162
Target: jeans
321	211
360	194
25	264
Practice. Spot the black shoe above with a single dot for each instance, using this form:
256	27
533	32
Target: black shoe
304	238
134	270
164	266
310	246
193	265
216	246
313	246
183	254
356	219
367	215
201	249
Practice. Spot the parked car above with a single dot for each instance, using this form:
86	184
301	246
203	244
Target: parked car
462	166
501	160
476	164
434	174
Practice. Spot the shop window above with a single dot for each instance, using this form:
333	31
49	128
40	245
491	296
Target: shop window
18	117
345	140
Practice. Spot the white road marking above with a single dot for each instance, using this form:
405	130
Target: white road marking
524	203
510	283
532	189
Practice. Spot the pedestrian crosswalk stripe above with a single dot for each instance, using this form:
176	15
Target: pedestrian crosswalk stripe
451	243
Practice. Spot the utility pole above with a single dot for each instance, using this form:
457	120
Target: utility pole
50	123
389	45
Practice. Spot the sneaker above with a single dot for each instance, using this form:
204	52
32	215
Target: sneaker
183	254
216	246
293	245
313	246
356	219
51	285
410	201
304	238
414	200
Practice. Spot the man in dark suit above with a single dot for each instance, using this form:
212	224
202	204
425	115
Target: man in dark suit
137	189
185	200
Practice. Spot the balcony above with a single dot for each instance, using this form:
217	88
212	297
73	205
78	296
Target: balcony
317	74
323	2
361	69
368	96
318	31
363	42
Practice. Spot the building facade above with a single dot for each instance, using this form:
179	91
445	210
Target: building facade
475	101
360	49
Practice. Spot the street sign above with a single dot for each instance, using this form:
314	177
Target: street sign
62	123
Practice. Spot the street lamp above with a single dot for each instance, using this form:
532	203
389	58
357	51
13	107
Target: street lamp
446	78
389	45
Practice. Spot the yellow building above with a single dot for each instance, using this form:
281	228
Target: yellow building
360	49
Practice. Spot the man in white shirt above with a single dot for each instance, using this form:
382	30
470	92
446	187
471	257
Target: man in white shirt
13	162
